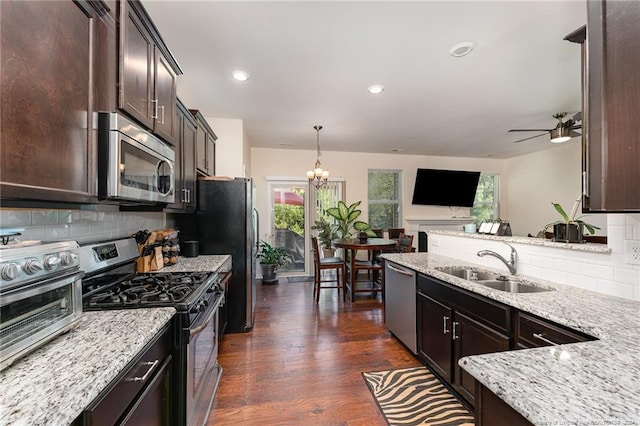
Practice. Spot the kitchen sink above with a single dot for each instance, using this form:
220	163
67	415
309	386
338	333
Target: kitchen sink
492	280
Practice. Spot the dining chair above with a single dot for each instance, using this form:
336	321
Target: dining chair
326	264
394	233
405	244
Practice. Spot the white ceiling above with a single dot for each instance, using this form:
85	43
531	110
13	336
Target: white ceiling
311	62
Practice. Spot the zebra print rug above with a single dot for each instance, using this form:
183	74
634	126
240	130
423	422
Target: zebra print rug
414	396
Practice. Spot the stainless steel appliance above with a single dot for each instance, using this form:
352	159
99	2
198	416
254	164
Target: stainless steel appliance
111	283
40	295
133	164
400	304
226	222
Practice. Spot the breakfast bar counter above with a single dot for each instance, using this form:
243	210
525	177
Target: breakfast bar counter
595	382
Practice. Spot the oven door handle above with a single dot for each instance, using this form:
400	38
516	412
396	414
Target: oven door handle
199	328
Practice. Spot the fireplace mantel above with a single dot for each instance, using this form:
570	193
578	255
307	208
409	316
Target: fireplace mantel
444	223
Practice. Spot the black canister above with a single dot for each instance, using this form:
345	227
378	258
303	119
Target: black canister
190	249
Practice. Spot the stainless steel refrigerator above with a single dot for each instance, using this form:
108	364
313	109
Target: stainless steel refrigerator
226	222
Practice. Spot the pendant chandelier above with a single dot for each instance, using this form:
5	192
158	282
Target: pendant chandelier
318	177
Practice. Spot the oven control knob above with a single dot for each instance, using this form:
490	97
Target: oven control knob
10	271
31	266
68	258
51	262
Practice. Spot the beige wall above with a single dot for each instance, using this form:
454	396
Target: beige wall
353	167
230	158
536	180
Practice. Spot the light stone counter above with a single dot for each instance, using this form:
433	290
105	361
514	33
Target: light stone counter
202	263
54	384
585	383
590	247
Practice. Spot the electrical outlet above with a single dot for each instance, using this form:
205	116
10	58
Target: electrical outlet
632	250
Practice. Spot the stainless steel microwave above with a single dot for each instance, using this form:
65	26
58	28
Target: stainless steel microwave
133	164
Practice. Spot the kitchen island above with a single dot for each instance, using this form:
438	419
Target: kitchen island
54	384
596	382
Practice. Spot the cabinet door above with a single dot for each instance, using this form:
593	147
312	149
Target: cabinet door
189	164
165	99
201	149
612	106
211	155
136	68
153	407
434	335
48	52
178	167
473	338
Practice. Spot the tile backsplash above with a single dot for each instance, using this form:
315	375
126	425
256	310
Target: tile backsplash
82	226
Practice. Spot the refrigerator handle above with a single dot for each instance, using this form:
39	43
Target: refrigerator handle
257	230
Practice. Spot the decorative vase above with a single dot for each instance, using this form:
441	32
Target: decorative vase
269	274
568	232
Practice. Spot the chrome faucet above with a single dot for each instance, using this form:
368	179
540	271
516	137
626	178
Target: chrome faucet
512	264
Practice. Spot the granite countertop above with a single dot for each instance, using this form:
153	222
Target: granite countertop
591	247
202	263
595	382
52	385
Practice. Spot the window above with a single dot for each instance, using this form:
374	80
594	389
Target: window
485	206
384	198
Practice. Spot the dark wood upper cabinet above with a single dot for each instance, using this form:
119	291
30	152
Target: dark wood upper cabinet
185	165
611	106
205	146
147	73
49	53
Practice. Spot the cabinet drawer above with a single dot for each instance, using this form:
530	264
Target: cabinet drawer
480	308
113	402
534	332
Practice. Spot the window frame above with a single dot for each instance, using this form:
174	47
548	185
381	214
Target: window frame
496	197
397	202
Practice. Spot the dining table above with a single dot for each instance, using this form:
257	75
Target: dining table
351	247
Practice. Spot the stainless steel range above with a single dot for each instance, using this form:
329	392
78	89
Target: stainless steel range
111	283
40	295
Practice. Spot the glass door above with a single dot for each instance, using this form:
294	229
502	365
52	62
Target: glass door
289	227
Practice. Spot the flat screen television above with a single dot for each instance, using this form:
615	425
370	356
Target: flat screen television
453	188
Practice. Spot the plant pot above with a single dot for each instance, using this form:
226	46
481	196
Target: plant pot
568	232
269	274
328	252
362	237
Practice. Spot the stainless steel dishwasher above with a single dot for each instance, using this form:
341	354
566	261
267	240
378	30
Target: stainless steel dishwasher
400	304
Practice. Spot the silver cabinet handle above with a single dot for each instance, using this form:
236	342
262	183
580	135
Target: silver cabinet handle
455	336
189	196
143	378
444	325
184	195
162	109
154	104
544	339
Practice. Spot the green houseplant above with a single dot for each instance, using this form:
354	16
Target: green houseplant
271	258
571	228
326	235
345	217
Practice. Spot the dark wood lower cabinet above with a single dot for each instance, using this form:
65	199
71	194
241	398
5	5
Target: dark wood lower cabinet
434	337
143	393
473	338
490	410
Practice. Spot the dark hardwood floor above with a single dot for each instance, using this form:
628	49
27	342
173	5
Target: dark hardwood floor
302	363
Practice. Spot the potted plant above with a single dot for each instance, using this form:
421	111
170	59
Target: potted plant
326	235
271	258
345	217
571	228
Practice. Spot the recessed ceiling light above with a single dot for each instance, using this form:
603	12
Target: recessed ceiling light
240	75
461	49
376	89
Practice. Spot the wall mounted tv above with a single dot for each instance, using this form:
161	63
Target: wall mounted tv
453	188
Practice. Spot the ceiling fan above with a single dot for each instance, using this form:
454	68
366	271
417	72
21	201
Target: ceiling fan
561	133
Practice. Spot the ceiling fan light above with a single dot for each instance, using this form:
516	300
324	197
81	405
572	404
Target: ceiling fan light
560	135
